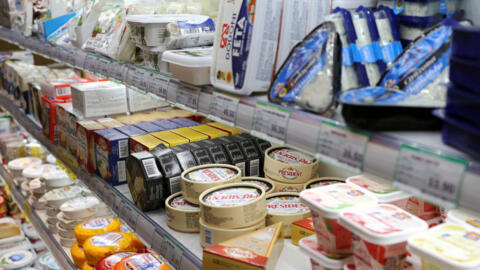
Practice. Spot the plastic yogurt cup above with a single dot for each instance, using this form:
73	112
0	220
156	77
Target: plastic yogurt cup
326	203
447	246
469	219
384	192
319	259
380	235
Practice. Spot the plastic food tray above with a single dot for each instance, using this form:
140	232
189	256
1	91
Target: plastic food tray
465	42
462	104
464	73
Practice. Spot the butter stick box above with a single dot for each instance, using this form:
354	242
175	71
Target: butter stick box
149	127
167	124
144	143
86	143
301	229
111	153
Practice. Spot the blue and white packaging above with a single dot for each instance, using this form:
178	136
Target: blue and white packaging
111	153
388	34
166	124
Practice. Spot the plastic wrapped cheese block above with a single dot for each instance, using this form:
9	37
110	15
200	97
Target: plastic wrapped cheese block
95	226
78	255
108	263
17	165
102	245
57	197
80	207
141	261
8	228
17	259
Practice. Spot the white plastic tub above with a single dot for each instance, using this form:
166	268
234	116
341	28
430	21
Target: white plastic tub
244	49
319	259
380	235
17	166
464	217
190	65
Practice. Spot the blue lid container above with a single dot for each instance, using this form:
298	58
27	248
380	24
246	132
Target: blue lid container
463	105
466	42
420	22
465	73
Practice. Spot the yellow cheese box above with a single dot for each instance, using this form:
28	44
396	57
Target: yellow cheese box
144	143
126	119
109	122
171	139
211	132
225	128
253	251
301	229
190	134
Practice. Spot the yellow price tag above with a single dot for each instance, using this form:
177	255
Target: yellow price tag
7	190
27	208
27	218
9	181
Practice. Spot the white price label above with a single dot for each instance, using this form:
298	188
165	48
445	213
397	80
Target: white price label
91	63
172	251
116	204
53	52
270	123
103	66
157	84
129	215
137	78
145	228
119	72
434	177
223	108
70	56
341	146
80	58
187	98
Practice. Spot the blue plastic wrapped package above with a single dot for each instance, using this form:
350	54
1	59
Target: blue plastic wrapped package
415	13
389	35
310	76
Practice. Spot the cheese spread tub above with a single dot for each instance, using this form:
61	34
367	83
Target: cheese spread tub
326	203
288	165
109	262
56	179
467	218
233	205
285	207
78	255
380	235
57	197
36	171
95	226
323	181
181	215
102	245
17	259
239	65
321	260
447	246
264	183
70	224
148	261
17	166
200	178
211	235
80	207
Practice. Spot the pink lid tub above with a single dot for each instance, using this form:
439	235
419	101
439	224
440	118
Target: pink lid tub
319	259
326	203
380	235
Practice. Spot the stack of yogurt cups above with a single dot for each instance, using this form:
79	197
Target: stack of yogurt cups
353	228
32	175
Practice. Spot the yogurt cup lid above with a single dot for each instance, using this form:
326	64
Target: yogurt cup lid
384	224
291	156
16	259
211	174
308	245
22	163
285	204
331	200
448	245
232	196
79	203
179	202
35	171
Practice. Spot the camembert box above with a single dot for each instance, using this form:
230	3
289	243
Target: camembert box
256	250
301	229
144	143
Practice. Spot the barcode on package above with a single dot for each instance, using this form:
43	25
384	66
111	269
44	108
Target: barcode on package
208	237
123	148
255	167
122	173
150	167
63	91
175	185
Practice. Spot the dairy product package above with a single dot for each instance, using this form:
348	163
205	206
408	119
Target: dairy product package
310	77
388	34
190	65
245	45
141	101
152	58
98	99
414	13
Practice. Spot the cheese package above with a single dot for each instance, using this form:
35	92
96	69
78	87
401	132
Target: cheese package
286	187
233	205
149	127
144	143
251	154
300	229
225	128
200	152
190	134
323	181
60	88
286	208
49	121
181	215
17	259
319	259
234	153
86	143
216	151
184	156
288	165
17	166
185	122
211	235
95	226
467	218
141	261
200	178
105	244
170	168
80	207
58	196
167	124
145	181
8	228
255	250
78	255
264	183
131	130
261	145
108	263
87	266
169	138
97	99
109	122
56	179
211	132
36	171
111	152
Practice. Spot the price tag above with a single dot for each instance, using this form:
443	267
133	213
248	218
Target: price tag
270	123
70	56
187	98
341	146
103	66
145	228
116	204
53	52
119	72
137	78
129	215
91	63
434	177
10	181
172	251
27	208
157	242
223	108
80	58
157	84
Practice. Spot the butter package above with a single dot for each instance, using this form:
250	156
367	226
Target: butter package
149	127
244	50
185	122
131	130
86	143
168	164
211	132
301	229
190	134
144	143
109	122
97	99
169	138
49	119
225	128
167	124
60	88
111	152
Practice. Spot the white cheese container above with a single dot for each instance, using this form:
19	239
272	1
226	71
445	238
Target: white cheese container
56	179
51	159
190	65
17	166
36	171
69	224
244	51
80	207
17	259
57	197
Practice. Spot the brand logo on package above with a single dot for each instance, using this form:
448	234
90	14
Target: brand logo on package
224	37
239	253
289	173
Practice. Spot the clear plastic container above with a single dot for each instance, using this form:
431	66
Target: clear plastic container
152	58
190	65
447	246
326	203
467	218
319	259
380	235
